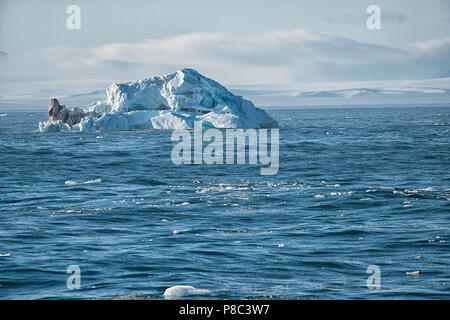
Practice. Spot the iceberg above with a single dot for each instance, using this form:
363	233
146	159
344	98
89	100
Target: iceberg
173	101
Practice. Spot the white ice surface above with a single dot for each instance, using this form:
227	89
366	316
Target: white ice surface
173	101
179	292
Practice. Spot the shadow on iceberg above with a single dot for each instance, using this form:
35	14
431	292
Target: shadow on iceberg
173	101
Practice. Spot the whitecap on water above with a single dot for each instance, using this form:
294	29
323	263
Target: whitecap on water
415	191
349	193
71	182
93	181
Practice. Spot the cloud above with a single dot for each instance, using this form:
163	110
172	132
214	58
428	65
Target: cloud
280	56
433	45
393	17
345	19
389	17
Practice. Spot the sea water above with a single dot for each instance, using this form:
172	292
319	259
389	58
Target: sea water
356	188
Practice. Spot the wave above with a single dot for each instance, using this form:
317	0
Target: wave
71	182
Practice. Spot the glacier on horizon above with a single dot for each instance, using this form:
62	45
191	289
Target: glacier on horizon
173	101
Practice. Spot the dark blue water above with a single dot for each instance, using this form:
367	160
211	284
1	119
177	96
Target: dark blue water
356	187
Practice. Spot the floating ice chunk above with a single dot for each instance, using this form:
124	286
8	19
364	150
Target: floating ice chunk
179	292
412	273
53	126
70	182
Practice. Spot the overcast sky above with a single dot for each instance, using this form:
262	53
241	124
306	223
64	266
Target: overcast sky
234	42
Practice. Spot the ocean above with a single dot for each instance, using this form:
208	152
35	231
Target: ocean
358	189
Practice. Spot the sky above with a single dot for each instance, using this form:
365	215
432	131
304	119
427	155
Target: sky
278	44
